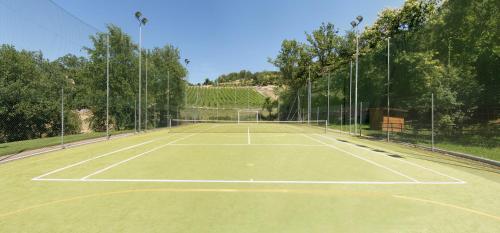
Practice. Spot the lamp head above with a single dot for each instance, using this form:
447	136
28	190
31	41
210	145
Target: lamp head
359	18
144	21
138	15
353	24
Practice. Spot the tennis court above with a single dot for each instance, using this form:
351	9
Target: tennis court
224	176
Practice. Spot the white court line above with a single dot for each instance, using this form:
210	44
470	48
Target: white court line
141	154
93	158
401	160
246	144
258	181
133	157
248	133
364	159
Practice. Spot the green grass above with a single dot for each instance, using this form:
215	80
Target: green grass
224	97
486	147
20	146
111	201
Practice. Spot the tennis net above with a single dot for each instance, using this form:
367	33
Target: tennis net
221	126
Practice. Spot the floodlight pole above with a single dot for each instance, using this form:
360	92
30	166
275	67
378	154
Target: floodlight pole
350	99
140	79
354	24
107	87
142	21
388	85
146	113
356	87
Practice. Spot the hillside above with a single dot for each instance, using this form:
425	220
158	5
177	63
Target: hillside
245	77
224	97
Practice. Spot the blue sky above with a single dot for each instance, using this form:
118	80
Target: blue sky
222	36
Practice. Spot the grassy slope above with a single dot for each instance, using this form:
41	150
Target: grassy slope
30	206
20	146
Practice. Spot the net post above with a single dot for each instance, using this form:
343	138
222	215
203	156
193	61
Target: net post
326	127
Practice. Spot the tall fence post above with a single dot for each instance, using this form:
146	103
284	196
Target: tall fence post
317	115
360	117
328	101
135	115
107	86
62	116
388	86
341	120
432	121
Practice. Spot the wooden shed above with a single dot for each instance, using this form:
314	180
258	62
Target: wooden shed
379	120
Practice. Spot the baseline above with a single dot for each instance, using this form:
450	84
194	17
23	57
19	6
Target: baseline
258	181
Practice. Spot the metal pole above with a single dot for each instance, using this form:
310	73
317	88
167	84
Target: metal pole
432	121
341	120
350	99
107	87
62	116
299	116
328	101
317	115
217	97
278	113
146	113
388	85
135	116
186	94
140	79
309	96
168	94
360	117
356	87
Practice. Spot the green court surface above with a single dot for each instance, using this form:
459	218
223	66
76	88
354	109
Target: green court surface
247	177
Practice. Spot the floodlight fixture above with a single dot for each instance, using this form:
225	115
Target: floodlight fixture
354	24
359	18
138	15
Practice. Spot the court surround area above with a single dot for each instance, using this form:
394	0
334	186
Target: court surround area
224	176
